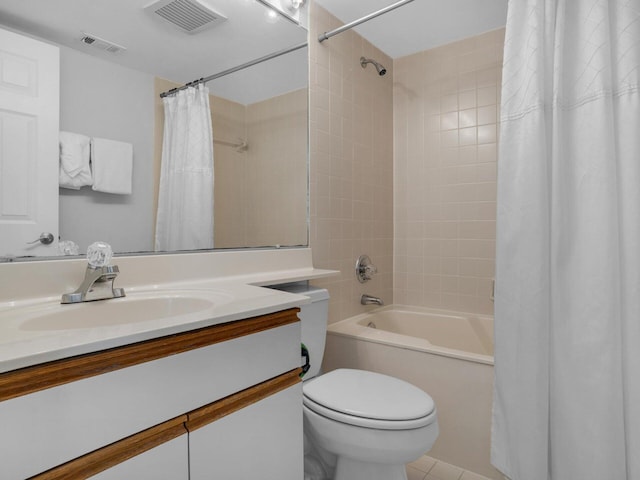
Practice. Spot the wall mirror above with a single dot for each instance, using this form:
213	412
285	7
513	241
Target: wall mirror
109	86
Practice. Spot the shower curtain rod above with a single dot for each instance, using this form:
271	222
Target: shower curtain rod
326	35
234	69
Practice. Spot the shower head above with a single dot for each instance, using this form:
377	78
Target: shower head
381	70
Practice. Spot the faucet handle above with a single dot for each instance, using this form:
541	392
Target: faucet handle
99	254
365	269
370	270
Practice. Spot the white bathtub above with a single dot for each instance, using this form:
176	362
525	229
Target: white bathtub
447	354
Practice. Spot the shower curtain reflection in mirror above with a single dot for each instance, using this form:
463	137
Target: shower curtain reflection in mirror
185	204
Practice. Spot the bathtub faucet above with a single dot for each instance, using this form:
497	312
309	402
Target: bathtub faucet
369	300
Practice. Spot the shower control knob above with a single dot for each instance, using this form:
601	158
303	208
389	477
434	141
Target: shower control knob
365	269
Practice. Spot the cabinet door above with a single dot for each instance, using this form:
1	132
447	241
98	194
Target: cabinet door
169	461
263	440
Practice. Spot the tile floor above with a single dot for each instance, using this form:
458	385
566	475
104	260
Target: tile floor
427	468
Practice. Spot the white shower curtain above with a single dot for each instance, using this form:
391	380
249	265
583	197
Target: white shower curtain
185	202
567	309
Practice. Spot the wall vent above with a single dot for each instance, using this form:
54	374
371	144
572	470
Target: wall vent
101	43
191	16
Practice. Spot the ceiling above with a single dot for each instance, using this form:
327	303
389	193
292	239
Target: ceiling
421	24
159	48
155	47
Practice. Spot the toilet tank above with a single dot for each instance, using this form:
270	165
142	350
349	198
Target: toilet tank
313	322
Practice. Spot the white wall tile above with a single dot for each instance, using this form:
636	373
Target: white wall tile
451	182
352	150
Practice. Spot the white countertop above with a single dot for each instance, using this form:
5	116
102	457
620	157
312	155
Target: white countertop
22	345
27	339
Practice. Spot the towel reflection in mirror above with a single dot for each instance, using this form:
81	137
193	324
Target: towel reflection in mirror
104	165
75	155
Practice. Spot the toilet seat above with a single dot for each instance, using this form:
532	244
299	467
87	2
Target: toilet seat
369	422
368	399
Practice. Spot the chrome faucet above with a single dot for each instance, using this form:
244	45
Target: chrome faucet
98	278
370	300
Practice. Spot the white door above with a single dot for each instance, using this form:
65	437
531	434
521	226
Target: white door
29	122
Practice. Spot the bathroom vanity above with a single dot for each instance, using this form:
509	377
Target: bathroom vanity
187	395
210	392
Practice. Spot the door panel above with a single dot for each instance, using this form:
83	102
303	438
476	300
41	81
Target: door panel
29	123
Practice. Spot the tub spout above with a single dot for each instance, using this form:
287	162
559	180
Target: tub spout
370	300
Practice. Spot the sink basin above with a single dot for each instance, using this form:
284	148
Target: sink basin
134	308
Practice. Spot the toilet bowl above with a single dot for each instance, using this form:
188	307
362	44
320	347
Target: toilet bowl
358	425
366	425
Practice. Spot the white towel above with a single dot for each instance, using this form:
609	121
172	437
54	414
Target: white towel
74	171
112	164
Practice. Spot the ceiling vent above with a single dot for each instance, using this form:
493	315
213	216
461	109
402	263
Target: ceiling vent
191	16
101	43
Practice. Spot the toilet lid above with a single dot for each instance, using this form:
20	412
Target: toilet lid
370	395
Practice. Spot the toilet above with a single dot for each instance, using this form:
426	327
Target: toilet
358	425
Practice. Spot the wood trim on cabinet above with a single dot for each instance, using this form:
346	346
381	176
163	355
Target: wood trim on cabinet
59	372
99	460
228	405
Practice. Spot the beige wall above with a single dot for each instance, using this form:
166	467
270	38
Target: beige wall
229	124
277	131
351	164
261	192
446	104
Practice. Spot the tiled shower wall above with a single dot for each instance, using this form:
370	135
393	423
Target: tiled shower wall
351	148
276	190
260	194
403	168
446	103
